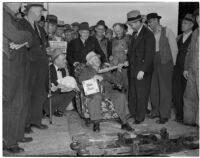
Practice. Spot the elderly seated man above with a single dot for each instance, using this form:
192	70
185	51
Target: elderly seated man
63	87
106	80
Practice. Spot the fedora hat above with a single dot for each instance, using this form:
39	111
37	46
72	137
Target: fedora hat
60	23
189	17
101	22
52	19
68	27
75	24
84	26
32	4
152	16
133	16
54	53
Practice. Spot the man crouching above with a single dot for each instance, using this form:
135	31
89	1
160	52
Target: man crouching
106	80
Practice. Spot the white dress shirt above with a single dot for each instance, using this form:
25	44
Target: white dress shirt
186	35
59	73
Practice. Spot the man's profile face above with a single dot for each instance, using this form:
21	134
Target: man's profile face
84	34
36	12
186	25
135	25
152	23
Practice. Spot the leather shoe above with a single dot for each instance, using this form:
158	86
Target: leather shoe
96	127
26	140
152	116
41	126
58	113
162	121
28	130
127	127
138	122
15	149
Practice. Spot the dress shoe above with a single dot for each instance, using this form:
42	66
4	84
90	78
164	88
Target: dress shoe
58	113
28	130
41	126
127	127
152	116
162	121
96	127
138	122
26	140
15	149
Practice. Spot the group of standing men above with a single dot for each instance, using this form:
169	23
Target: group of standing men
151	52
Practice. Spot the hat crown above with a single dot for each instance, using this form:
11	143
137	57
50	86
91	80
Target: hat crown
152	16
84	26
133	14
68	26
189	17
101	22
52	19
75	24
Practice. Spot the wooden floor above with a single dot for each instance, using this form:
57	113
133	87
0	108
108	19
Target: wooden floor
56	140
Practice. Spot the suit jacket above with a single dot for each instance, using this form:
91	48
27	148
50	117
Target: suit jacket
14	32
141	53
77	51
39	44
54	77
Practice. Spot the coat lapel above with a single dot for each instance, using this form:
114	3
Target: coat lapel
138	39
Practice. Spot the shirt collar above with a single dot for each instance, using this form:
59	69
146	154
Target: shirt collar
187	34
138	32
56	67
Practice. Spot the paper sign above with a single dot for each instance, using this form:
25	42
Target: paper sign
90	86
59	44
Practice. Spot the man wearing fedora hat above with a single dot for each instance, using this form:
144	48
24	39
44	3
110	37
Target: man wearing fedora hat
80	47
191	73
104	43
60	98
16	42
51	26
38	66
59	35
179	82
164	61
140	56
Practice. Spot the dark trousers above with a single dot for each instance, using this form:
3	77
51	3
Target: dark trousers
178	88
138	96
161	88
14	96
58	102
38	94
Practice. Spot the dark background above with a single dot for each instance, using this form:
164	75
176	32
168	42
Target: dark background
184	8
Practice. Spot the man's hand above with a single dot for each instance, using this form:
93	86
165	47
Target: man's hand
111	58
98	77
120	66
76	63
186	74
17	46
53	87
140	75
64	88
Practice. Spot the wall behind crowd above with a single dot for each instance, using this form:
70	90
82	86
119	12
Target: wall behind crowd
114	12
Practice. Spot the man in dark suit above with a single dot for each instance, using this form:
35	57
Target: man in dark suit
38	66
60	98
140	55
80	47
15	65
